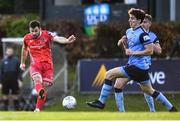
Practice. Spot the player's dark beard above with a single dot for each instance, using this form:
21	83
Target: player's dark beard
35	35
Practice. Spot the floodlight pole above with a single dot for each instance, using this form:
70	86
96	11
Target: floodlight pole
172	10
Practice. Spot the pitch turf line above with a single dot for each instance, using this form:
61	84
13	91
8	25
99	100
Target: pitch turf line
88	116
90	120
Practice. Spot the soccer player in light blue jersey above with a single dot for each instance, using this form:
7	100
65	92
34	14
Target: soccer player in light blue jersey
146	24
140	47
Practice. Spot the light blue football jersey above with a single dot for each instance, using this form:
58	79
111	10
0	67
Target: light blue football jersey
137	39
154	39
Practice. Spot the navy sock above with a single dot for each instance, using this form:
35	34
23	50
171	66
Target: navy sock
105	91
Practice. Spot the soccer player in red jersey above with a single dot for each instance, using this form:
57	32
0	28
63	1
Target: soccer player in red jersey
38	44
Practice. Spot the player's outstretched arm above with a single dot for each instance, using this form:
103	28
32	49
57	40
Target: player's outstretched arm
63	40
24	54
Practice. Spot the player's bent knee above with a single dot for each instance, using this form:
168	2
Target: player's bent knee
149	91
110	75
120	82
118	86
37	78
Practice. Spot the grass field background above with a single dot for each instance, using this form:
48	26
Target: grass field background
88	116
136	109
133	103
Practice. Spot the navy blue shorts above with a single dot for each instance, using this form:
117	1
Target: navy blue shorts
136	74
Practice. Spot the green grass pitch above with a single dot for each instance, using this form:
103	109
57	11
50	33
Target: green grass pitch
88	116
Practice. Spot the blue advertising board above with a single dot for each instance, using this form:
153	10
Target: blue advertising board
164	75
96	13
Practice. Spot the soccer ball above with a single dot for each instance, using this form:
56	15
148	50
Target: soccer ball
69	102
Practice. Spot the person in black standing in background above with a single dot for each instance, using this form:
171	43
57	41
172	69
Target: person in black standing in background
10	77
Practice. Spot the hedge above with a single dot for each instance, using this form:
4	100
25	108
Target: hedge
102	45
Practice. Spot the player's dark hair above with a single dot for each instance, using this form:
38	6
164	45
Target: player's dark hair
138	13
149	17
34	23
